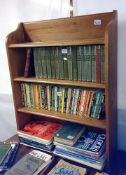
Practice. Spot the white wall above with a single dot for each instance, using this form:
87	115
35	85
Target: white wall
13	12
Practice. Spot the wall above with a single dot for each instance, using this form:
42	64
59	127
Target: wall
21	10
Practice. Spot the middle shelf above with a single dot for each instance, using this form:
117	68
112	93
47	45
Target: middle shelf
61	82
65	117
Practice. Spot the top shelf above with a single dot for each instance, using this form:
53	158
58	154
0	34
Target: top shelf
58	43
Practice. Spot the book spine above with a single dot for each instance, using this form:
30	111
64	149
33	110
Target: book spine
61	66
74	63
53	63
93	62
102	63
57	62
79	61
62	100
55	98
69	58
84	68
88	62
98	64
65	62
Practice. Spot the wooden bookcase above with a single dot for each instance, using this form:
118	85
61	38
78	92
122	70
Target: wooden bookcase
79	30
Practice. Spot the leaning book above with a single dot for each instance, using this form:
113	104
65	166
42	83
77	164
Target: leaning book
65	168
31	164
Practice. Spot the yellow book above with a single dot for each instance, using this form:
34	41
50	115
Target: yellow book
62	100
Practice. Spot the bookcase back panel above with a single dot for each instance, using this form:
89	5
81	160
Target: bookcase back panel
68	28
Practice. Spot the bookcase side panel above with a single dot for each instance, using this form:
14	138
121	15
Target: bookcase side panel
111	87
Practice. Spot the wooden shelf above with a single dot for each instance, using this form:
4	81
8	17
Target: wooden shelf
66	117
58	43
61	82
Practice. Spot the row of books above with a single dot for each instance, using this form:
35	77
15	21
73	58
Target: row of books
70	100
69	140
82	63
7	155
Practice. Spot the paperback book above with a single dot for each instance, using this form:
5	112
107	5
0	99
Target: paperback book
65	168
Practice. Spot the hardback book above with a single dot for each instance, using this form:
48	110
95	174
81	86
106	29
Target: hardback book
30	164
69	133
66	168
90	143
4	149
41	131
65	62
79	61
69	58
10	158
29	64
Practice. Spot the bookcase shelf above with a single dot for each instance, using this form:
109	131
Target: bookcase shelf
75	32
66	117
61	82
58	43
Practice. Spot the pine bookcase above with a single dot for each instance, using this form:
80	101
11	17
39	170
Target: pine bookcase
72	31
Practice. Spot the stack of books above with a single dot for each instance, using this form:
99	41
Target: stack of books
7	155
39	134
88	149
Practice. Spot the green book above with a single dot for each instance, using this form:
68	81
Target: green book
4	149
84	68
30	164
79	61
44	56
102	63
74	63
93	63
35	55
69	59
57	62
39	63
88	62
69	134
48	62
65	62
61	67
53	62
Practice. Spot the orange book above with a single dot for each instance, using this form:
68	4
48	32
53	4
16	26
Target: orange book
36	97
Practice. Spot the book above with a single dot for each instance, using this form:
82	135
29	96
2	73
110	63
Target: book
69	133
41	131
66	168
9	159
4	149
30	164
29	64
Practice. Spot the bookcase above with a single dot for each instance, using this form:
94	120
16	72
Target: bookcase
94	29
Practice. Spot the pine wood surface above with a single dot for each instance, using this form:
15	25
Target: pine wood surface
61	82
66	117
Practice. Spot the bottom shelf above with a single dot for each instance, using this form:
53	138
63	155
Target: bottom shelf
66	117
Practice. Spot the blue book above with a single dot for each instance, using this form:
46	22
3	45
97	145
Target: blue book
63	167
9	160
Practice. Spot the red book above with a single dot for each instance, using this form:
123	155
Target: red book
40	130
